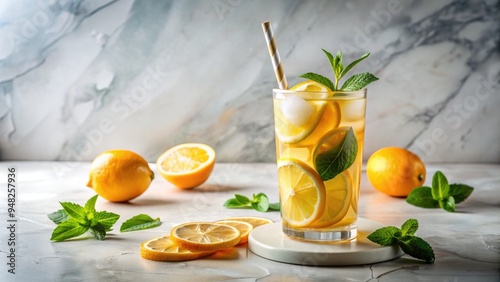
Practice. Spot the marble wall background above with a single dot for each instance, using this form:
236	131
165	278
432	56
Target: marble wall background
78	77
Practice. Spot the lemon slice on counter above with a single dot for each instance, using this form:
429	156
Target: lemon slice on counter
243	227
163	249
205	236
302	193
253	220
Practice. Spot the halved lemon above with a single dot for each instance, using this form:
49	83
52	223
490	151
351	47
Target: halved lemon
338	200
243	227
289	130
187	165
163	249
253	220
302	193
205	236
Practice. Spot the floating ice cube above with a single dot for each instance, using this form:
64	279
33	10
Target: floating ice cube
296	110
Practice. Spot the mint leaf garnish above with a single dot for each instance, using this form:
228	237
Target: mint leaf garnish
410	244
58	216
319	78
441	194
354	83
351	65
140	222
260	202
358	81
67	230
330	163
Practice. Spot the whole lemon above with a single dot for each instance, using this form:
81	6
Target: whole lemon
395	171
120	175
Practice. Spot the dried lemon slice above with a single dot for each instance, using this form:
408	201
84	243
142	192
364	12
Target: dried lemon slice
163	249
243	227
205	236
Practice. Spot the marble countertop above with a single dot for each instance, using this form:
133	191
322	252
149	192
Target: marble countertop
466	243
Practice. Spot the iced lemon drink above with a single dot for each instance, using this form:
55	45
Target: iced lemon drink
319	142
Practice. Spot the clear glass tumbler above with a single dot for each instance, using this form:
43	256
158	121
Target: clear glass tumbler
319	146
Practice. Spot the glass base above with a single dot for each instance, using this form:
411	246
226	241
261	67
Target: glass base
335	235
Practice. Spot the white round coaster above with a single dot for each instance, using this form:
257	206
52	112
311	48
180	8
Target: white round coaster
268	241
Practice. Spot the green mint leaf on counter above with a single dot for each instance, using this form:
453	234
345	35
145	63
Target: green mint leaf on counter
422	197
332	162
242	199
58	216
319	78
98	231
409	227
410	244
385	236
358	81
140	222
89	207
440	187
418	248
259	202
448	204
107	219
74	220
274	207
235	204
75	211
460	192
67	230
441	194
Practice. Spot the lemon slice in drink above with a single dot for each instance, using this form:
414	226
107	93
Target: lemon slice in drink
205	236
163	249
338	200
302	193
295	118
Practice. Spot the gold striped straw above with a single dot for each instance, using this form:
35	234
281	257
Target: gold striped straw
275	55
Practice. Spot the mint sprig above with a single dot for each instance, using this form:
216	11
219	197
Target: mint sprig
404	237
260	202
354	83
441	194
74	220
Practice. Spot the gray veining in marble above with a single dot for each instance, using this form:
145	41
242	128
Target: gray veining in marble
78	77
